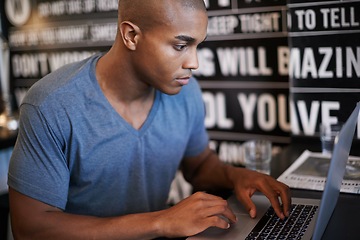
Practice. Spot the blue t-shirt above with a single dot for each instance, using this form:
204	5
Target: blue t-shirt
75	152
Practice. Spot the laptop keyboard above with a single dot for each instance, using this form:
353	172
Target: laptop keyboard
293	227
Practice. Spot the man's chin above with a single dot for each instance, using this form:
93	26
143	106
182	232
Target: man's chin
172	91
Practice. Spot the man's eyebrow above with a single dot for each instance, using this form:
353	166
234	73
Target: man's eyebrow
185	38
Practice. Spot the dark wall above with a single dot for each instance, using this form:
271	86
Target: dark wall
324	40
243	74
244	63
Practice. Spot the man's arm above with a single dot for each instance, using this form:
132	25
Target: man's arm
32	219
207	172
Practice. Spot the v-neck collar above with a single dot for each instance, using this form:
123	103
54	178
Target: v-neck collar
147	123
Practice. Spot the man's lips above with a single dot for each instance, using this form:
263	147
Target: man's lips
183	81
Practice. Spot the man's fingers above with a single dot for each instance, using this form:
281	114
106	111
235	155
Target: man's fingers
248	204
229	214
216	206
221	210
274	194
274	200
282	208
286	200
219	222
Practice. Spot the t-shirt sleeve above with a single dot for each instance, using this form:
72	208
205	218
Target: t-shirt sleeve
199	138
38	167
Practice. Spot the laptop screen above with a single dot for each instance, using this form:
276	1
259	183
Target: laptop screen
336	173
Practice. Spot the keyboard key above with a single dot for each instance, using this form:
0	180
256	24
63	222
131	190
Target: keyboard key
293	227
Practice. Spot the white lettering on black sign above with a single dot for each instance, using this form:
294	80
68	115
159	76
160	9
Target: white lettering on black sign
18	11
260	22
235	61
315	63
37	65
339	18
269	110
61	35
75	7
242	24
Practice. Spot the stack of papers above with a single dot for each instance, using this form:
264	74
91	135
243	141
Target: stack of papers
309	171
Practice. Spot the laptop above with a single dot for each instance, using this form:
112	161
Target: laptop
316	213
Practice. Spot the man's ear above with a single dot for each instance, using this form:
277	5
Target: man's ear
130	34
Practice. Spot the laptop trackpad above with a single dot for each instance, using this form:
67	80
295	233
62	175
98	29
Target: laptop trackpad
244	224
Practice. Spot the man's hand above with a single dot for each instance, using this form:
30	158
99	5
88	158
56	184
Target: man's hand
247	182
207	172
195	214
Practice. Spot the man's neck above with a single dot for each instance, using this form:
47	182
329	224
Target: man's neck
131	99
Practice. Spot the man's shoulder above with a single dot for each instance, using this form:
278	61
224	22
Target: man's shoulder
58	81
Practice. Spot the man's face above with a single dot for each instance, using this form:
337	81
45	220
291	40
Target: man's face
168	52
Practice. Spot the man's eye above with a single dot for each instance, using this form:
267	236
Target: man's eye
180	47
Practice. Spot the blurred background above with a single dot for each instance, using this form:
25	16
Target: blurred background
271	69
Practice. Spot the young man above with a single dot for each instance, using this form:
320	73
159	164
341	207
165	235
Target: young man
100	140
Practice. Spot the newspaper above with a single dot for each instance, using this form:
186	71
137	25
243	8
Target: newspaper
309	171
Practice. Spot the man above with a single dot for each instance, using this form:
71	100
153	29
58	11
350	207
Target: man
101	140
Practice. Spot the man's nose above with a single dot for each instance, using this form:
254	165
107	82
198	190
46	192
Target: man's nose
191	61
